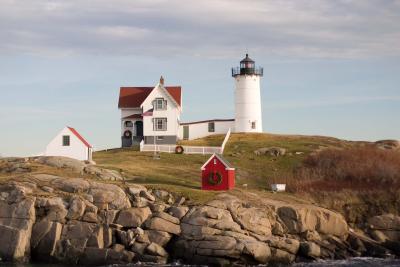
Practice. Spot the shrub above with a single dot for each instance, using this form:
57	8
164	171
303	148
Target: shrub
359	168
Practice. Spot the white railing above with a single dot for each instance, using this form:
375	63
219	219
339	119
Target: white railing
186	149
228	134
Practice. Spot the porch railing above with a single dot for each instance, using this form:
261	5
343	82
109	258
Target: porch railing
186	149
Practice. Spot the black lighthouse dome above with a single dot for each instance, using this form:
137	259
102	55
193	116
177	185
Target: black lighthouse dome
247	67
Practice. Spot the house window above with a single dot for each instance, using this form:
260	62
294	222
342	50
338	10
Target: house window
160	104
160	124
159	138
65	140
128	124
211	127
253	125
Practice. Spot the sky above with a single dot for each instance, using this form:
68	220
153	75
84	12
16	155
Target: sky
330	67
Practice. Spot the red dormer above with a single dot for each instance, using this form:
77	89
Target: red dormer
217	174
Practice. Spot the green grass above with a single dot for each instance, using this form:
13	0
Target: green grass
181	173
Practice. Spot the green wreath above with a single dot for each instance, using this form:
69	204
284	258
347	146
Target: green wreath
212	180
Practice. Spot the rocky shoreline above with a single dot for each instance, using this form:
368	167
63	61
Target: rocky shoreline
82	221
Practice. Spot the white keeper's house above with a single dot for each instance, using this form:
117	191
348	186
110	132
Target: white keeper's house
69	143
153	114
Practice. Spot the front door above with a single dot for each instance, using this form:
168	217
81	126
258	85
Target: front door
139	128
186	132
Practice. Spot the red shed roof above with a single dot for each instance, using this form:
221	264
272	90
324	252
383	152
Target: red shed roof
227	165
75	132
133	97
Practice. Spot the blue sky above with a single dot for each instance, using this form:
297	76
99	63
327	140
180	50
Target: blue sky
330	67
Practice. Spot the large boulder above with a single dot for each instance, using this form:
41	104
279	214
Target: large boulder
70	185
45	235
76	208
160	224
103	174
133	217
62	162
211	217
300	218
16	221
108	196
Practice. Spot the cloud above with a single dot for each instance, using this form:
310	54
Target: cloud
296	28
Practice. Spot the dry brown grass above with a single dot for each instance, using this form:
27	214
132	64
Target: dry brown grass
365	168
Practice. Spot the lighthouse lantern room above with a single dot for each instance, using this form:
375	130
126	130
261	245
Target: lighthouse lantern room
247	96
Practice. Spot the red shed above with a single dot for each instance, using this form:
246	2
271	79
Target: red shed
217	174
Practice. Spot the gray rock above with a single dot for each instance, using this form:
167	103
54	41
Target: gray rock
166	217
281	256
76	208
103	174
45	236
271	151
159	237
90	217
47	189
178	212
133	217
135	189
63	162
310	249
108	196
156	250
71	185
160	224
147	195
258	250
16	222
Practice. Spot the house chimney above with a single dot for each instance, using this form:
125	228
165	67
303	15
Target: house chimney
162	80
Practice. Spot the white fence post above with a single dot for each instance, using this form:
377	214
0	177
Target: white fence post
141	145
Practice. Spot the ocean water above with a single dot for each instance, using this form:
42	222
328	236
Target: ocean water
354	262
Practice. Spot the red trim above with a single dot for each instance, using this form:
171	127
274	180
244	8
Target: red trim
75	132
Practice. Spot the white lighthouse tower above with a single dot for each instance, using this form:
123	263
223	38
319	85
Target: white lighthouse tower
247	96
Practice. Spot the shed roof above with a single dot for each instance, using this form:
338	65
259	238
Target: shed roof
227	165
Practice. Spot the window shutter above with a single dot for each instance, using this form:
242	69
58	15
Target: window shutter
165	104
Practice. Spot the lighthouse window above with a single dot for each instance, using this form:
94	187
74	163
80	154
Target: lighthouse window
253	125
66	140
211	127
160	104
160	124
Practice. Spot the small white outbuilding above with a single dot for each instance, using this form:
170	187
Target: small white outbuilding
69	143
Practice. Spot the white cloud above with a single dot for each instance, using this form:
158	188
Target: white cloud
296	28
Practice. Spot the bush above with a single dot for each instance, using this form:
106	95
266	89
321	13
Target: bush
359	168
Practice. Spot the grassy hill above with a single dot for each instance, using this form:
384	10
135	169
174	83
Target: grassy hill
355	178
181	173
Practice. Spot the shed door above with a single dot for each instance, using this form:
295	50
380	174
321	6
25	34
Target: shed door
186	132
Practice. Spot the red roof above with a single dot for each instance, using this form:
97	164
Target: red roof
75	132
133	97
134	116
